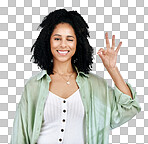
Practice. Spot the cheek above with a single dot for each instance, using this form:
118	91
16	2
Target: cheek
73	45
53	44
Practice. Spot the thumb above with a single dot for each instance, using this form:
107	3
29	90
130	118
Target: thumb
100	54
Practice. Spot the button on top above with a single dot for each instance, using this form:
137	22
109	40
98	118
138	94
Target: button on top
60	139
64	111
64	101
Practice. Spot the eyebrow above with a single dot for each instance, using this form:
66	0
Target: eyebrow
60	35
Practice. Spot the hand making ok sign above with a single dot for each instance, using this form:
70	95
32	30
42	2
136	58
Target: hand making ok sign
109	55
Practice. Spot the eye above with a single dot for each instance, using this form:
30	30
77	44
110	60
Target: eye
70	40
56	39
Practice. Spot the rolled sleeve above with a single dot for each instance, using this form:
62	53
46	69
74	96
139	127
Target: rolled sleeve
124	107
125	100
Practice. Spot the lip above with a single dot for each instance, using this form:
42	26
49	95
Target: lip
63	50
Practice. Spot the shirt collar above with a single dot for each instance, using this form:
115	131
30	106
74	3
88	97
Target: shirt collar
44	72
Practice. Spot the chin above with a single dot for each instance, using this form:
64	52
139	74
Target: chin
62	59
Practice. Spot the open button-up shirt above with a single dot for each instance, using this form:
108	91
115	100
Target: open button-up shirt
105	108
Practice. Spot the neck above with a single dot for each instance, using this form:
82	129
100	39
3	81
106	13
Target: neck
63	68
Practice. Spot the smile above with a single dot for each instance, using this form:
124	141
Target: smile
63	52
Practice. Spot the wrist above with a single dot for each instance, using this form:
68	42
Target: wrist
112	69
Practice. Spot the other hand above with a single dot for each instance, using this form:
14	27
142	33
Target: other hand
109	55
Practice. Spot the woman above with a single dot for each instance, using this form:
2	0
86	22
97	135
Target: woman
65	102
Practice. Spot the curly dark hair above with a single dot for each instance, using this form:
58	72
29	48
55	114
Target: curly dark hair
83	57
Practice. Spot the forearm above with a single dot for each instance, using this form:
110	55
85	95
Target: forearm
119	81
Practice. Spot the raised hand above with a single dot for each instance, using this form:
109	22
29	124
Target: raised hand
109	55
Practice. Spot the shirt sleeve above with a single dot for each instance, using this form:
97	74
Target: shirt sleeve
123	106
19	132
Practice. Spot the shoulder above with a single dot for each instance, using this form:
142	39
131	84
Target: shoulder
96	79
32	81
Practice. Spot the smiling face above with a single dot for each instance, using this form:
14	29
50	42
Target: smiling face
63	42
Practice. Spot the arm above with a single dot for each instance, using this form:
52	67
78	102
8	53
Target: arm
124	103
119	82
19	131
123	107
109	58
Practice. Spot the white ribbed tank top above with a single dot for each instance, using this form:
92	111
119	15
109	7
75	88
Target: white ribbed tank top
63	120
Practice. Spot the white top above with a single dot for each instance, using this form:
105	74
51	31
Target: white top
63	120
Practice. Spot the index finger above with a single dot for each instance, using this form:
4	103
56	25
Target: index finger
107	40
113	41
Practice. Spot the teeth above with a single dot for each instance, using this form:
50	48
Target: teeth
63	52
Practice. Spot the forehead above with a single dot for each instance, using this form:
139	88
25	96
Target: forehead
63	28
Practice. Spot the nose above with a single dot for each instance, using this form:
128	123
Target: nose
63	43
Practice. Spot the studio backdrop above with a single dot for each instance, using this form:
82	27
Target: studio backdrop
126	19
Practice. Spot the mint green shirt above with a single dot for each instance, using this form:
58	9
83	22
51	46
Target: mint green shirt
105	108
